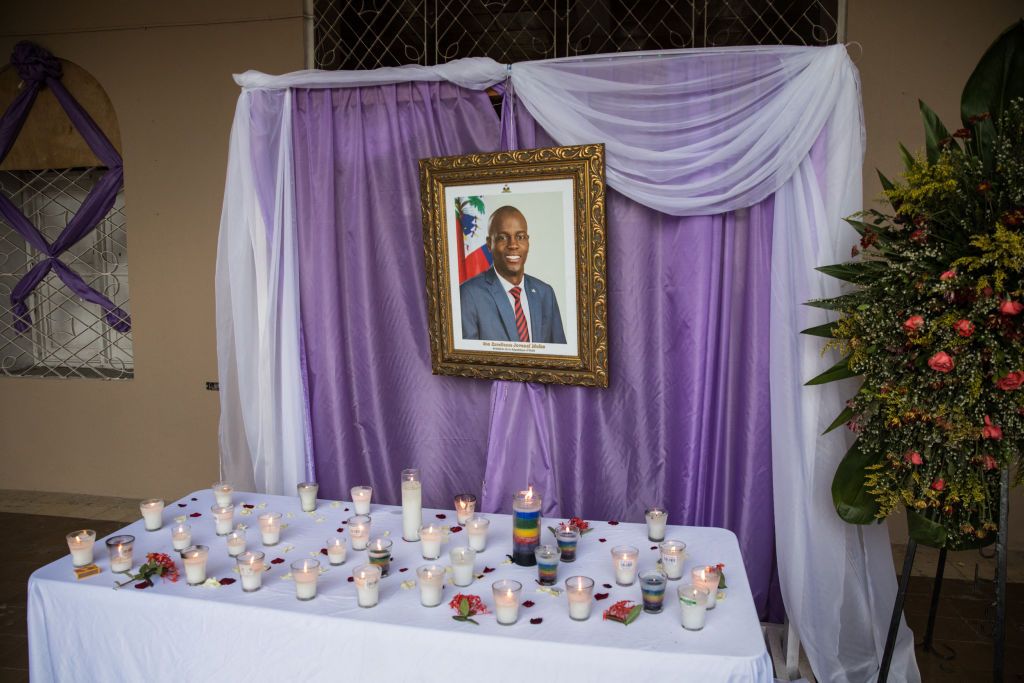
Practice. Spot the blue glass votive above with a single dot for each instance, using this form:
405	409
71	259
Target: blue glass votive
547	564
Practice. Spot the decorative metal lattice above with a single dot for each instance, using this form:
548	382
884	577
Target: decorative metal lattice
366	34
68	336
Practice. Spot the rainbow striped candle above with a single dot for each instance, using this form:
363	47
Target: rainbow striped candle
547	564
652	587
525	527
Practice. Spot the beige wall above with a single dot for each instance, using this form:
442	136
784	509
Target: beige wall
171	87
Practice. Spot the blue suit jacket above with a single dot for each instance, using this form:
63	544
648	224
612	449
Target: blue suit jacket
487	312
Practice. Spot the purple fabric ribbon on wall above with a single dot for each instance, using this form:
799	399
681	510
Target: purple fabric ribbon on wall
37	67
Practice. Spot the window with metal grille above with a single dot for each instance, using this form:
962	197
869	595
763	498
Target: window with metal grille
366	34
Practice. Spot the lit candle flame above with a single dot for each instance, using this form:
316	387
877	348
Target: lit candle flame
529	493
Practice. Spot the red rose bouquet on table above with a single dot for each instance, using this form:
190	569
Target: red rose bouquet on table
157	564
935	326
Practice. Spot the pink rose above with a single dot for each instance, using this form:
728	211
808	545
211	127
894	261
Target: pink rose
965	328
1012	381
914	323
938	485
989	462
948	275
941	362
914	458
991	431
1011	307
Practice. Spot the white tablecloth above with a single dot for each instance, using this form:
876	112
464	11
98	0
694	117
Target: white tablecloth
85	631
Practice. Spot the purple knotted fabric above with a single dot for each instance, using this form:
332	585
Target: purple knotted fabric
37	67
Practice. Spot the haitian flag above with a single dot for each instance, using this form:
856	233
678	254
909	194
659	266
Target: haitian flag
471	237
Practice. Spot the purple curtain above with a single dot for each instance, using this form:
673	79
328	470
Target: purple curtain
686	420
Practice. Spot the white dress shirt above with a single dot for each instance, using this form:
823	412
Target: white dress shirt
524	301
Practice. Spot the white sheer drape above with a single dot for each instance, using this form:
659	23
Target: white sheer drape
688	132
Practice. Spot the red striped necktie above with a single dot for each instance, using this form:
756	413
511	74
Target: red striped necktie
524	331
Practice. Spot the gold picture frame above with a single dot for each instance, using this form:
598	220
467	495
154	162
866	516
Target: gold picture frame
539	215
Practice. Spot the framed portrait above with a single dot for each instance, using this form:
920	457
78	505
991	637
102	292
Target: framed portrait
515	250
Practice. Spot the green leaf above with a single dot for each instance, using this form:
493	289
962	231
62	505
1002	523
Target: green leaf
908	158
721	580
843	418
925	531
934	132
886	183
473	621
997	78
837	303
464	607
633	614
849	494
821	330
840	370
857	272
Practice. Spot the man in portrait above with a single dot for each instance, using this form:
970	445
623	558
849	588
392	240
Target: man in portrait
503	303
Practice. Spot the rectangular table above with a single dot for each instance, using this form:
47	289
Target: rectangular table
85	631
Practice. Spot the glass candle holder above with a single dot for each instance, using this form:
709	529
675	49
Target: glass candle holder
194	558
431	579
673	555
367	580
270	528
579	590
236	542
359	531
547	564
525	526
462	560
693	607
222	493
465	506
624	561
181	536
224	518
412	504
80	543
305	574
476	529
652	589
307	495
568	538
250	569
361	496
431	538
707	578
506	601
336	550
119	549
657	518
379	551
153	513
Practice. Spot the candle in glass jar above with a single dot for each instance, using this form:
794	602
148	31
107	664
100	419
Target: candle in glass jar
652	589
194	559
359	531
673	554
525	526
476	528
465	506
152	513
412	505
431	578
506	601
367	580
462	560
431	537
707	578
80	544
250	568
579	590
270	528
305	573
224	518
567	537
657	518
361	499
624	561
692	605
379	551
236	542
547	564
307	495
119	549
181	536
336	551
222	493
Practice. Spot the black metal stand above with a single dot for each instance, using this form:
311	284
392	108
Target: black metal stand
897	611
999	632
928	644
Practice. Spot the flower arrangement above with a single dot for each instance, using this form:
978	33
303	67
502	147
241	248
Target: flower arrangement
578	523
467	607
935	323
624	612
157	564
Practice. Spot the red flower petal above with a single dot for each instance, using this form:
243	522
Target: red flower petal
455	529
654	547
603	540
350	579
248	506
488	570
528	603
607	585
345	522
144	584
613	522
277	560
404	569
226	582
346	510
195	499
340	530
600	596
536	620
196	514
441	515
183	505
323	551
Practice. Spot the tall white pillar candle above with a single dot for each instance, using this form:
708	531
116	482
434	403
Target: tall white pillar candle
194	559
476	528
462	560
222	493
579	590
412	505
361	496
80	543
673	555
431	578
181	536
270	528
367	580
692	606
506	601
224	518
431	537
305	574
624	561
657	518
359	531
307	495
152	513
336	550
236	542
251	568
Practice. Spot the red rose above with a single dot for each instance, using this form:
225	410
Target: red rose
1012	381
920	236
991	431
914	323
914	458
941	362
989	462
965	328
948	275
1011	307
962	133
938	485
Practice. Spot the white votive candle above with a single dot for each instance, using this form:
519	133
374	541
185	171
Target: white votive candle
431	537
692	606
194	559
251	568
236	542
305	573
336	550
181	536
152	513
412	505
367	580
270	528
224	518
462	560
579	590
624	561
465	506
361	496
431	578
359	531
673	555
80	544
476	528
707	578
657	518
222	493
307	495
506	601
119	548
